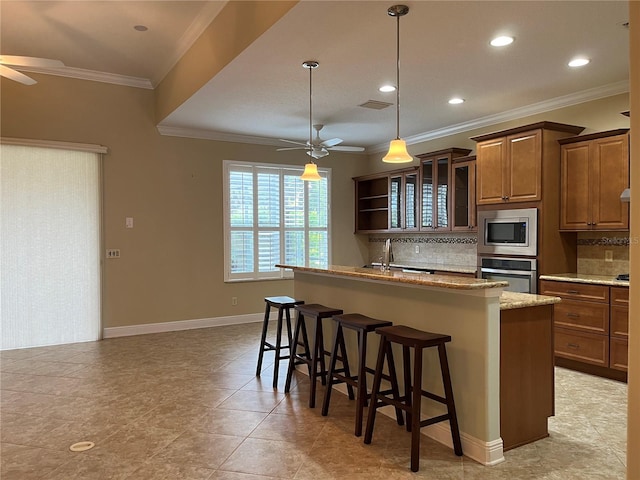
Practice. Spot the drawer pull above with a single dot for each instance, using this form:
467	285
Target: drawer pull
573	345
574	315
574	292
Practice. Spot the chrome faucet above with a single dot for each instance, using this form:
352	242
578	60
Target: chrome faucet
387	257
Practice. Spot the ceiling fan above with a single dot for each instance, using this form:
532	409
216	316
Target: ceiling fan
317	148
19	61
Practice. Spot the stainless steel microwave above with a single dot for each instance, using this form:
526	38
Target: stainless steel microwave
508	232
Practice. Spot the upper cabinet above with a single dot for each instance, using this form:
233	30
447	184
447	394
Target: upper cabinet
594	172
387	201
403	200
509	163
372	203
463	193
436	188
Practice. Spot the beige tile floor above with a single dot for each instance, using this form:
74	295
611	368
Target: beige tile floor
186	405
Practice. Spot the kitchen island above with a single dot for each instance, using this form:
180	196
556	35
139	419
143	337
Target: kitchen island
468	309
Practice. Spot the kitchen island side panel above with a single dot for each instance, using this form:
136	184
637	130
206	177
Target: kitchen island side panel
472	318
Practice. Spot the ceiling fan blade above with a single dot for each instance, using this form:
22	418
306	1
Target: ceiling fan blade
292	148
294	142
345	148
12	74
29	61
331	142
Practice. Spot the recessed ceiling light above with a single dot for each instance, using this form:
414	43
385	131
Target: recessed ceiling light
141	28
502	41
387	88
456	101
579	62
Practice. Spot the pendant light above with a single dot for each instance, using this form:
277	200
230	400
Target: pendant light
398	147
310	173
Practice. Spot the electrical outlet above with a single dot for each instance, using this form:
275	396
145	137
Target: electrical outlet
128	222
113	253
417	248
234	301
608	255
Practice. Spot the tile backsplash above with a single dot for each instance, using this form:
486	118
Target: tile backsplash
443	249
460	249
594	249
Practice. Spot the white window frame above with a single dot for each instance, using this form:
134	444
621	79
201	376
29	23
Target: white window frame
279	274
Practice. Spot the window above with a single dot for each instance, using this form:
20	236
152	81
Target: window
271	217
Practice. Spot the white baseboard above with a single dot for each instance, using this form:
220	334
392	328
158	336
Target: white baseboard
113	332
486	453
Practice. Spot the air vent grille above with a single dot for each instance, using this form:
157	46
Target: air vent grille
375	104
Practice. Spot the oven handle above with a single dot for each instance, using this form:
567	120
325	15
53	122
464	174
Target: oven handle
530	273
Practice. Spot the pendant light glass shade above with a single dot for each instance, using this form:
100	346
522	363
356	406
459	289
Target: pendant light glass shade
397	148
397	152
310	173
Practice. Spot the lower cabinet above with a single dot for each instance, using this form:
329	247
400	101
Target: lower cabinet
590	327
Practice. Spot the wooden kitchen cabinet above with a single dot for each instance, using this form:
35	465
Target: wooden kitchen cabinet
591	327
619	329
594	172
387	201
403	200
463	194
372	203
435	188
509	164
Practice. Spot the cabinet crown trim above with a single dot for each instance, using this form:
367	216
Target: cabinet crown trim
558	127
445	151
593	136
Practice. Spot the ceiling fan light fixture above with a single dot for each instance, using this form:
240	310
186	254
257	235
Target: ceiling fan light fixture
310	173
397	148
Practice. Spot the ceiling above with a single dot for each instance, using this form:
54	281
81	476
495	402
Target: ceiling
263	94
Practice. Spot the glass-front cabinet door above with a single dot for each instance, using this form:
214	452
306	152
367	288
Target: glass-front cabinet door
411	201
463	194
441	192
403	200
395	202
435	188
427	220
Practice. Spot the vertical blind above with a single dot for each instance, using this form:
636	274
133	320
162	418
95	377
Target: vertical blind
271	217
49	246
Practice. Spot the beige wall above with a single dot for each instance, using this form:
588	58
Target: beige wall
171	265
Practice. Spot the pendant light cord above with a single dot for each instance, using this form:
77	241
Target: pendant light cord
398	77
310	113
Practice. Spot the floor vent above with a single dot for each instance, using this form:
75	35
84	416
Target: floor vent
375	104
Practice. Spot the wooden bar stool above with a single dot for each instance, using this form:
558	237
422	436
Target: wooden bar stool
411	401
362	325
312	356
284	305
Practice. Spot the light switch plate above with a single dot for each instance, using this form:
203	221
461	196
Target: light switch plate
128	222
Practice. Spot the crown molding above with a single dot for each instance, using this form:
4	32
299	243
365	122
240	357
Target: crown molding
533	109
91	75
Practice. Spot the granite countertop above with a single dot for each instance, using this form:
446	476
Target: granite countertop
584	278
424	279
433	266
511	300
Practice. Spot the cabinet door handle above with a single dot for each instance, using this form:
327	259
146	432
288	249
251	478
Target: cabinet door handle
573	315
574	292
573	345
